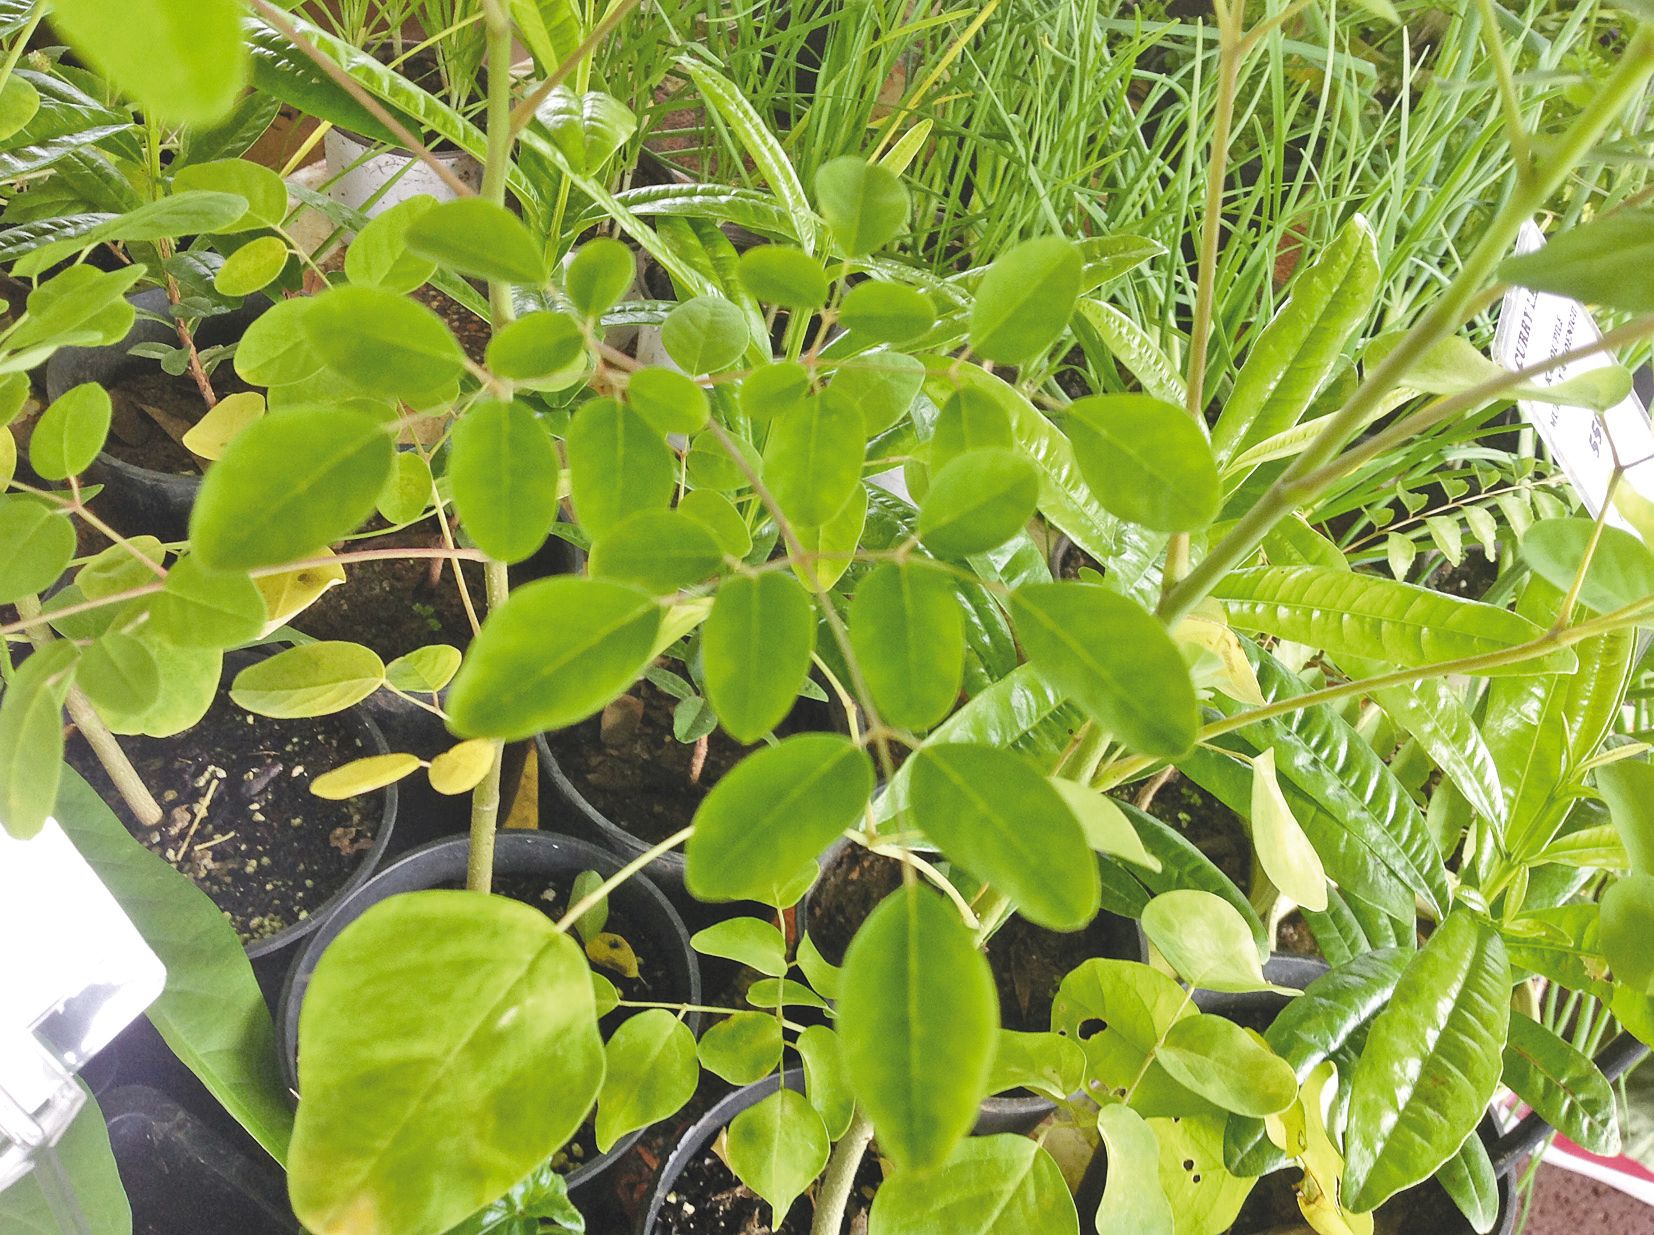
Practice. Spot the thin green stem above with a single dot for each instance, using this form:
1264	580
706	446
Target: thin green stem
840	1179
602	890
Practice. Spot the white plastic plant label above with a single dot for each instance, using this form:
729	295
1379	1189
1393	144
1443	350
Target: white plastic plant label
74	972
1535	326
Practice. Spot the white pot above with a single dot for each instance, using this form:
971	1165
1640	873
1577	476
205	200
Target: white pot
357	173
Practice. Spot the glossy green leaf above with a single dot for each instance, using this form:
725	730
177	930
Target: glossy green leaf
1025	299
379	255
1226	1065
880	312
1562	1084
1588	262
825	1082
288	485
490	1023
1133	1199
989	1185
31	738
19	102
757	141
1146	460
650	1072
261	188
1298	350
668	400
1119	1012
659	550
82	305
1469	1181
1113	658
1206	940
751	693
908	635
555	653
777	1148
1622	568
742	1048
587	128
977	502
256	264
783	275
704	334
539	351
774	811
917	1014
502	471
1434	713
865	204
1431	1064
181	62
1382	619
1627	785
748	941
211	1012
1627	918
882	385
477	238
40	543
618	465
1131	346
539	1204
992	813
313	679
70	432
600	273
813	458
380	343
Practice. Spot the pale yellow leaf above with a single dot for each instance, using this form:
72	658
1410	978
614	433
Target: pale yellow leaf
1283	850
213	432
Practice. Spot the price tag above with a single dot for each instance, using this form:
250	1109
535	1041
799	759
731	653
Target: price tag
1535	326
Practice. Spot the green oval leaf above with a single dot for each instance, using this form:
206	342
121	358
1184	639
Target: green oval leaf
1025	299
1431	1063
477	238
1226	1065
1133	1199
70	432
502	471
783	275
198	607
1622	568
381	343
908	634
668	400
773	390
40	543
599	274
493	1027
1206	940
1562	1084
882	385
539	351
742	1048
777	1147
118	672
704	334
313	679
825	1082
650	1073
618	465
865	204
977	502
659	550
917	1014
813	458
1588	262
773	812
1146	461
993	813
747	941
750	693
31	738
379	256
289	485
990	1185
254	265
263	191
275	350
886	312
1113	658
180	62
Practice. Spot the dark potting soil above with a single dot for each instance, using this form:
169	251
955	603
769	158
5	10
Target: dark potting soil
1272	1209
1028	961
1471	578
1075	559
635	771
1205	823
144	400
472	332
239	817
396	605
707	1199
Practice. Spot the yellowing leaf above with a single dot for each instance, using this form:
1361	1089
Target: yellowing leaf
460	769
209	435
1301	1132
1230	671
612	952
1107	830
293	591
363	776
1283	850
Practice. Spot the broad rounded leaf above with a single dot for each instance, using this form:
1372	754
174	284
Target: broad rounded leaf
264	192
379	255
198	607
1622	568
990	1185
1025	299
557	651
1627	920
461	767
751	693
774	389
977	502
180	62
40	543
783	275
742	1048
917	1014
1206	940
542	350
211	436
599	274
381	343
908	634
886	312
31	738
275	350
118	672
825	1082
19	101
618	464
704	334
256	264
668	400
70	432
882	385
991	812
313	679
489	1025
288	486
407	492
865	204
1431	1063
502	468
1133	1199
660	550
1147	461
478	238
363	775
776	810
749	941
813	458
650	1074
1226	1065
718	515
777	1148
1113	658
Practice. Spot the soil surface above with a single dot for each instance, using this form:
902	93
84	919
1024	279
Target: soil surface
1075	559
1205	823
472	332
395	606
707	1199
1028	961
146	403
240	819
634	770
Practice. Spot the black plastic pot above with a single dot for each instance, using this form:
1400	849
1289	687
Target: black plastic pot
1019	1111
182	1178
138	499
515	852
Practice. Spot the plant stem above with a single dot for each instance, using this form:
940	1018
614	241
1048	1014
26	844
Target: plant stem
621	876
125	777
485	798
1441	320
840	1180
